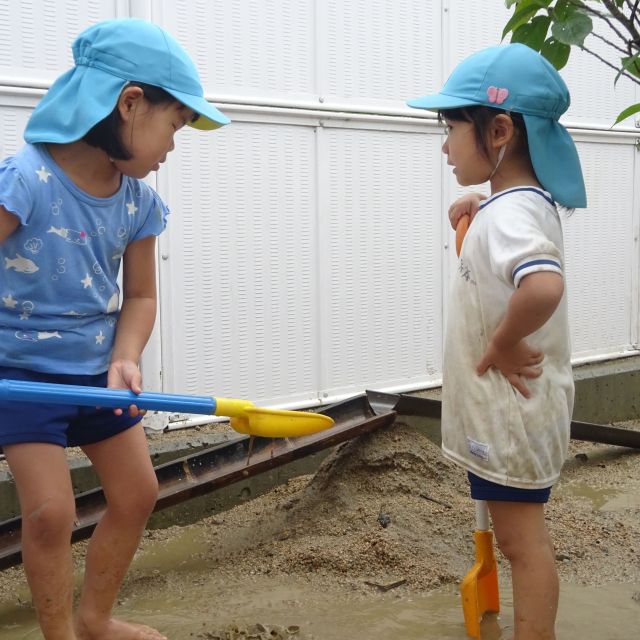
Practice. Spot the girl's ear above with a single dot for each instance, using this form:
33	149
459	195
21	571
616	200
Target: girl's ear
502	130
128	102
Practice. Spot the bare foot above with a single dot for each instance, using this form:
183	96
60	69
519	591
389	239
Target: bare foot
118	630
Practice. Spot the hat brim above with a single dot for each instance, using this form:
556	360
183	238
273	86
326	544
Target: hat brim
439	101
210	117
83	96
555	160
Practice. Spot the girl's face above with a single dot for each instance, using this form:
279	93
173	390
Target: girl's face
148	135
470	165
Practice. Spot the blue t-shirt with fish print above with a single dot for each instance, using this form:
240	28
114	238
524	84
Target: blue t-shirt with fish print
59	295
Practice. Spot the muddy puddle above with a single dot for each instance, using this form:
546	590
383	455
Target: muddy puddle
267	611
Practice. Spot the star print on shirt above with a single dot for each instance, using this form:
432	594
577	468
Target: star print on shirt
9	302
100	337
131	208
87	281
43	174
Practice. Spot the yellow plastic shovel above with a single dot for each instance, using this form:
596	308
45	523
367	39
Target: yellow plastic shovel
245	416
479	589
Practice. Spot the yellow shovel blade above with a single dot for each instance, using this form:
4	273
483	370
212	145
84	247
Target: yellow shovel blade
479	589
270	423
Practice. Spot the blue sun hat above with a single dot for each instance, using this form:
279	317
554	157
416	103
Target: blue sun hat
516	78
107	56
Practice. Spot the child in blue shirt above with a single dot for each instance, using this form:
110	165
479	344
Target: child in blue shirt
73	208
507	380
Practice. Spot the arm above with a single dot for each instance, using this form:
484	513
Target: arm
530	306
137	316
8	224
466	205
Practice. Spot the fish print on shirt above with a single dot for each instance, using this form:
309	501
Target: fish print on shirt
35	336
21	264
70	235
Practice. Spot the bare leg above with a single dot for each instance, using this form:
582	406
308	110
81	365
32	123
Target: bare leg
46	499
523	538
130	486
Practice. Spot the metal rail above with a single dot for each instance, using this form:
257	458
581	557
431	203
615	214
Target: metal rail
214	468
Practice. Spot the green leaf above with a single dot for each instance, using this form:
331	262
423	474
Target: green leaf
524	10
632	65
533	33
542	3
557	53
564	9
629	111
573	30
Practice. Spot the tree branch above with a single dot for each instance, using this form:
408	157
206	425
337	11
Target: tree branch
623	20
611	44
609	64
605	18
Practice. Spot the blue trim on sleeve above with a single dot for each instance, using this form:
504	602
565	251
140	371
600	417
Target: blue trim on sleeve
533	263
505	193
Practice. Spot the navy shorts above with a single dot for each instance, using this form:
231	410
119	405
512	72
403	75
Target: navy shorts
482	489
64	425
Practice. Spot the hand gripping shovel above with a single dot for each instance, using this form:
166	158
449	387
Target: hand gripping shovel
479	589
245	417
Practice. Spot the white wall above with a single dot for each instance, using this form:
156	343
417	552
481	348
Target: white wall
308	253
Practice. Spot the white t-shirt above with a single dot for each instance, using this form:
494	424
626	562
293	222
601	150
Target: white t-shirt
488	427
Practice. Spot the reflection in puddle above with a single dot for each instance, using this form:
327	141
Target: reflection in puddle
602	499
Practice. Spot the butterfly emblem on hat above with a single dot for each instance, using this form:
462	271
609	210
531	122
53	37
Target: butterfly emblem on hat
497	95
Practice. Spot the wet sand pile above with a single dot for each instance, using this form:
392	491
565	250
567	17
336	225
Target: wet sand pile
387	511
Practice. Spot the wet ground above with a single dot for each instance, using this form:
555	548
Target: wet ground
264	610
312	559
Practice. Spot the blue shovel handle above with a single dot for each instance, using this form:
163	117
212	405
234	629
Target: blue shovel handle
49	393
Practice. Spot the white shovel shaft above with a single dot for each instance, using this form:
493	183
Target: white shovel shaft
482	515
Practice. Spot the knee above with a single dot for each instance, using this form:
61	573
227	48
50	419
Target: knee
516	548
139	501
50	521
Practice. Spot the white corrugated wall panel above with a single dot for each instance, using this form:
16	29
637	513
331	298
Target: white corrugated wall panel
13	120
376	51
239	264
35	37
253	47
602	251
380	258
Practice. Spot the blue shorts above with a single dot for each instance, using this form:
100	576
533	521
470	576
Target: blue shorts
64	425
482	489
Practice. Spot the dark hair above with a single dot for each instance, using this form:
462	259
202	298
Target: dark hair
481	117
106	134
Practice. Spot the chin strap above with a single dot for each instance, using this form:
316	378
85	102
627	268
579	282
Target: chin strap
503	148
